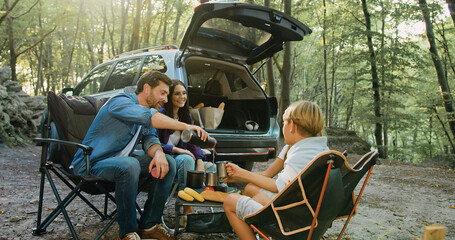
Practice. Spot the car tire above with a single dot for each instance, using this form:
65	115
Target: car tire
53	149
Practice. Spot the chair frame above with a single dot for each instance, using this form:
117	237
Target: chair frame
321	197
46	167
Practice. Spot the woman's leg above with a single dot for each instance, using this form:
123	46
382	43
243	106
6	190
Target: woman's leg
241	228
209	166
184	163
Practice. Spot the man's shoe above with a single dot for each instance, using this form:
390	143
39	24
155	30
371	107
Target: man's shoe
130	236
156	232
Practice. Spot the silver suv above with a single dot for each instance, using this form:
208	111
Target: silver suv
221	39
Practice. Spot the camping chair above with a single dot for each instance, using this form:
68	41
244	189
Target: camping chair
321	193
72	117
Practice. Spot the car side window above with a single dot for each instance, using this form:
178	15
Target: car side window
123	74
235	82
154	62
199	80
91	84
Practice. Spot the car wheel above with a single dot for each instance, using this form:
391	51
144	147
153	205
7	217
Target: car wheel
53	149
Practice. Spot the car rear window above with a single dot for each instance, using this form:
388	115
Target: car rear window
234	32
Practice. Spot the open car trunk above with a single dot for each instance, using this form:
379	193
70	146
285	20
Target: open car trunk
212	82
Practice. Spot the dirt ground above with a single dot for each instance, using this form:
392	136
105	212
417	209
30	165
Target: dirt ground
398	202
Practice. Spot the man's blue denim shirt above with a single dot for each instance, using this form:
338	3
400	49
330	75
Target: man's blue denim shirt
114	127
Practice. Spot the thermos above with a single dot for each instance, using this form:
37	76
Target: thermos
190	136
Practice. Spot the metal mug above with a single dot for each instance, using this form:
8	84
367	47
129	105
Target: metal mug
221	169
211	179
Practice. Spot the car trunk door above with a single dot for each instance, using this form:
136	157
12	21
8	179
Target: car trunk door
240	32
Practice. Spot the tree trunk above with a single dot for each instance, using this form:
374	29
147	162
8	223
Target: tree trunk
350	107
269	68
351	102
443	127
111	32
285	81
165	13
12	48
326	84
451	4
39	78
68	73
383	76
103	35
123	25
375	82
179	8
148	23
444	85
134	41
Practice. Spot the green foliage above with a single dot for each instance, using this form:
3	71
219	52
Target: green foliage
90	32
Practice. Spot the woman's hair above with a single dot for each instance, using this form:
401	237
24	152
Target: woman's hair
308	118
184	112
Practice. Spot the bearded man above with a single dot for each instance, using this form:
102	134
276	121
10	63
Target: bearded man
120	124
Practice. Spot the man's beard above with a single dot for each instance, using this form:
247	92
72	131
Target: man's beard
153	103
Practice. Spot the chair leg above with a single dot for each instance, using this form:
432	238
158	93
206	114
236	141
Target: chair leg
106	227
329	167
39	231
355	204
103	216
174	189
60	207
260	233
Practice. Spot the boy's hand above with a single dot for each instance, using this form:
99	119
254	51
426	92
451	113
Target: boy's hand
234	171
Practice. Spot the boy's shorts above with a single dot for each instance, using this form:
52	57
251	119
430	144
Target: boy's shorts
246	205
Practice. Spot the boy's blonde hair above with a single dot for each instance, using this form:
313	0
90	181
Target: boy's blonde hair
308	118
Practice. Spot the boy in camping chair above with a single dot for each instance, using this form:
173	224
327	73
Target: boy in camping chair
119	125
303	124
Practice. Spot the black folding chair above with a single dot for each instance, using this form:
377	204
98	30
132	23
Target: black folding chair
321	193
72	117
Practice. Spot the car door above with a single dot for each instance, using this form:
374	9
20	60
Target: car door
240	31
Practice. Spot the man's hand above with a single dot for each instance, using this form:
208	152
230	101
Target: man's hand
159	166
201	133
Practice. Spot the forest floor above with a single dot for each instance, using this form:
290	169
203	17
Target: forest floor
398	202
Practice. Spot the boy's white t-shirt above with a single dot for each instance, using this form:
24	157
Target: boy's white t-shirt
297	158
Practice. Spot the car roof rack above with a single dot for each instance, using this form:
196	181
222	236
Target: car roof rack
149	49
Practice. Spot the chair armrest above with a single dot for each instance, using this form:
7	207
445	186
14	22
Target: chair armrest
87	150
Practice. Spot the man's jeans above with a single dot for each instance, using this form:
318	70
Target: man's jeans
125	172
